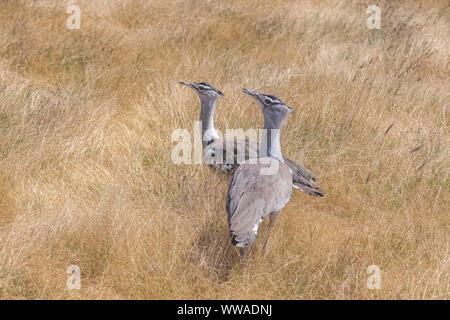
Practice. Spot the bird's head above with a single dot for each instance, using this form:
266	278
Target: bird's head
274	109
204	90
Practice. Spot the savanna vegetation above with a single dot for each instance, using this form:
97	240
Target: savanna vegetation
86	176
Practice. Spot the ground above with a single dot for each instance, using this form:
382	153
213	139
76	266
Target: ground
86	176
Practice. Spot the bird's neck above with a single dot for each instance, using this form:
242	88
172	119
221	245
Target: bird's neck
270	142
208	131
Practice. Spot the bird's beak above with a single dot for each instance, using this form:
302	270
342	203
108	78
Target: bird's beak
187	84
290	110
250	92
254	95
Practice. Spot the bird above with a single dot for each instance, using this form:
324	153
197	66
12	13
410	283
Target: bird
254	191
215	148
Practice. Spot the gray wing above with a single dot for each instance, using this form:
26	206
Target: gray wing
251	197
217	157
226	155
304	179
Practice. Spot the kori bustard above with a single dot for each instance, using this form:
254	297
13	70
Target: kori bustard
262	189
215	148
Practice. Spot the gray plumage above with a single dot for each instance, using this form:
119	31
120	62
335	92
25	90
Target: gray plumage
215	150
216	156
252	197
303	179
253	194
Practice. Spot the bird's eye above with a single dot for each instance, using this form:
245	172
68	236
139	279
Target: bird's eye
202	88
267	101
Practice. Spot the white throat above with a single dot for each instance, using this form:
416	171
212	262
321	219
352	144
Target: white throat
270	144
208	132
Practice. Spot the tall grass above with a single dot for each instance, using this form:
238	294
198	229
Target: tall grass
86	176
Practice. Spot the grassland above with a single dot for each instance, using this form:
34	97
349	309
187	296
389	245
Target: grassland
86	177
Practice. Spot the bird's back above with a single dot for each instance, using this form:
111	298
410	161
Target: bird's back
226	155
253	195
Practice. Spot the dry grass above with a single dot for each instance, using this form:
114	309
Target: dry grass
85	171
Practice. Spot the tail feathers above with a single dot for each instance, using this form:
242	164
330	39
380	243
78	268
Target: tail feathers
299	172
303	179
316	192
243	241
